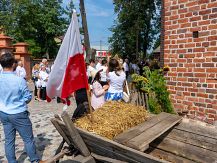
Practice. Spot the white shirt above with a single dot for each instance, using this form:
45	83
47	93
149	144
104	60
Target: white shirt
43	78
116	83
98	65
1	69
91	71
103	73
21	72
126	67
135	68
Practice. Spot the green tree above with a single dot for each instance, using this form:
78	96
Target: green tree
37	22
137	26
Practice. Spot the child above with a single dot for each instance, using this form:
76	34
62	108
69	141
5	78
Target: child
98	92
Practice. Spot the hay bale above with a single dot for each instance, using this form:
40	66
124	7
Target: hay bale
113	118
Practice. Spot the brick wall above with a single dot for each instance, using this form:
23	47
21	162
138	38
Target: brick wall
190	49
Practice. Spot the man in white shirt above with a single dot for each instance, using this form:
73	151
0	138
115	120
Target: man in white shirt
103	75
91	70
20	70
99	64
126	67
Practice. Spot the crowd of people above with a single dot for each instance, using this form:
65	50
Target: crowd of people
40	75
106	78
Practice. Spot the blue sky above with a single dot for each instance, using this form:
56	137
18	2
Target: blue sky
100	17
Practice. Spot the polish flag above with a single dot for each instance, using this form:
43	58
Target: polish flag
69	71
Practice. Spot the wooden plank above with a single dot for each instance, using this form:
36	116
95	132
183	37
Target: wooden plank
134	98
167	156
106	159
200	141
141	142
146	100
137	130
187	151
143	99
139	98
106	147
61	129
77	140
193	127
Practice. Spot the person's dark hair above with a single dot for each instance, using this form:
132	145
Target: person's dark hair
114	65
91	61
97	76
104	61
7	60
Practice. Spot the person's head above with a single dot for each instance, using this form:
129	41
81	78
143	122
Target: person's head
87	64
100	60
20	63
114	65
126	60
44	61
43	68
7	60
36	66
15	65
92	62
104	62
97	76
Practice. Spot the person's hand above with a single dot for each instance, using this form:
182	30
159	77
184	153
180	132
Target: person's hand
105	87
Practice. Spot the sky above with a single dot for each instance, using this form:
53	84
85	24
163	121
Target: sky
100	17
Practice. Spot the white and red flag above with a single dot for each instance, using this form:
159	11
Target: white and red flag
69	72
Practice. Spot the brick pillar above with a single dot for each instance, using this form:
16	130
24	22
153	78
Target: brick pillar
190	49
5	44
21	53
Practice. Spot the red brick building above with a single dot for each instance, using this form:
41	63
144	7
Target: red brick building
189	47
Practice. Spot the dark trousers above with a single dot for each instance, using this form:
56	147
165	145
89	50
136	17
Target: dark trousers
35	91
43	93
82	103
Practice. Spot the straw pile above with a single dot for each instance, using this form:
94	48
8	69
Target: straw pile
113	118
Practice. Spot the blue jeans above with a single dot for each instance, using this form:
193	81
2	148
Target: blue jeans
18	122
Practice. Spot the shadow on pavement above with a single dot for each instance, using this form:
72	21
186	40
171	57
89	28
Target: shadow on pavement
41	143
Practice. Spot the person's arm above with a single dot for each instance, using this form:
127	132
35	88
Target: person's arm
26	94
97	90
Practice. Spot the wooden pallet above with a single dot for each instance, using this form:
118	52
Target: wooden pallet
141	136
187	142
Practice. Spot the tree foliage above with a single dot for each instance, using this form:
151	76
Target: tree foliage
36	22
137	26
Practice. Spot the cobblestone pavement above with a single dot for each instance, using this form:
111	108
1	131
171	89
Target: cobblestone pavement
46	137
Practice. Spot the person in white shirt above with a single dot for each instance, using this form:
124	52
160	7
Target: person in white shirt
20	70
91	71
43	75
99	64
126	67
135	68
116	78
103	77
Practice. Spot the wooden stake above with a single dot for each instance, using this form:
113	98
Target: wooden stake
90	107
